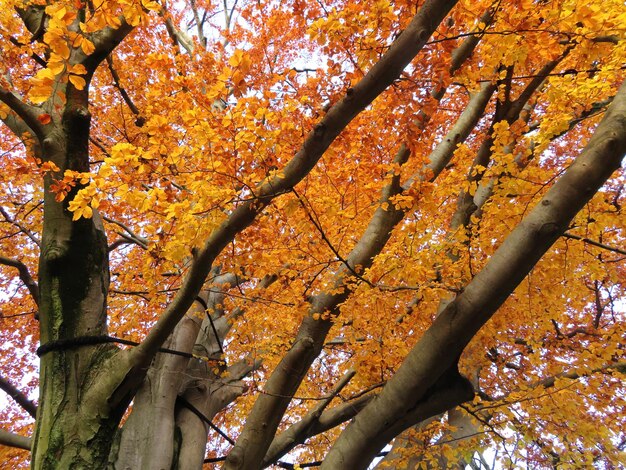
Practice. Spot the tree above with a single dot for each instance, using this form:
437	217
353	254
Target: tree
229	229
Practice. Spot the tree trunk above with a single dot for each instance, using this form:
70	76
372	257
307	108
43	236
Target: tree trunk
148	436
161	431
73	282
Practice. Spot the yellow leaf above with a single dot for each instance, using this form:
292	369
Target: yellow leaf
150	5
87	46
56	64
60	13
39	94
78	82
60	47
78	69
236	58
133	16
45	75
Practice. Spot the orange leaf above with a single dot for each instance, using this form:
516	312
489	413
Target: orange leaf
44	118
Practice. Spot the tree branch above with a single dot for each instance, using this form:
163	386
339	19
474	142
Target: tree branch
536	82
299	432
14	440
574	375
23	229
18	126
467	47
25	277
26	112
132	237
105	42
547	382
594	243
455	326
325	132
122	90
18	396
178	37
34	19
442	154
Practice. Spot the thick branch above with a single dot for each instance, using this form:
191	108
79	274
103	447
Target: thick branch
18	127
199	23
34	19
534	85
25	276
26	112
14	440
457	324
329	419
465	124
466	49
573	375
18	396
460	55
178	37
105	42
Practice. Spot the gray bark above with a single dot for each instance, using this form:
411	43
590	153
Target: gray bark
147	437
14	440
161	431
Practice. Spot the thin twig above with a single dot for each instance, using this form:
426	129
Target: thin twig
595	243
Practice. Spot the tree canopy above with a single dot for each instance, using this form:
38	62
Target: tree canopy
243	234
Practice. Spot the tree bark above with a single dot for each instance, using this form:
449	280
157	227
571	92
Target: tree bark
147	438
14	440
73	281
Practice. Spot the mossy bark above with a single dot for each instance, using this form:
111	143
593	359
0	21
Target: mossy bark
74	427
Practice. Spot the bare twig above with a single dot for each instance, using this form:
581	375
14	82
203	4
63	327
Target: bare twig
595	243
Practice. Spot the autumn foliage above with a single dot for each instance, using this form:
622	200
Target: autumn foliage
257	155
